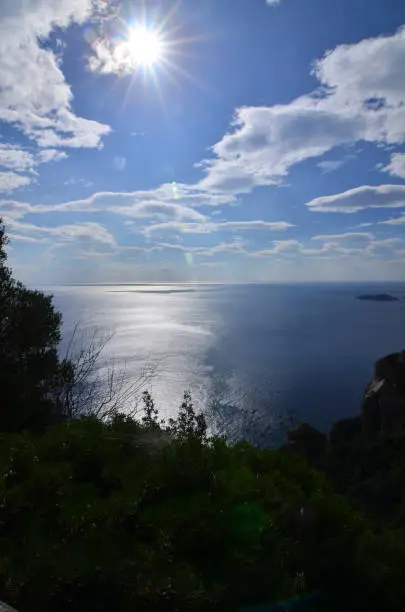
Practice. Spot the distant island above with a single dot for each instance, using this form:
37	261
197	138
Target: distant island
378	297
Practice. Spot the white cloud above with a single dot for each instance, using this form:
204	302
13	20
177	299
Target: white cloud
15	158
233	247
159	210
330	165
242	226
361	242
20	238
51	155
112	55
286	248
394	221
279	246
165	203
329	248
34	94
383	196
182	195
13	209
396	167
9	181
209	227
361	98
383	247
295	247
267	141
386	242
371	70
348	236
273	2
85	232
177	227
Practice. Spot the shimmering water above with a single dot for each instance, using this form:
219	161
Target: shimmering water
264	348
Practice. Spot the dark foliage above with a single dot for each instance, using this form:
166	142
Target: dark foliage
98	516
30	373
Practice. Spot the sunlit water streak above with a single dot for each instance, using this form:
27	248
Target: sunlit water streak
260	350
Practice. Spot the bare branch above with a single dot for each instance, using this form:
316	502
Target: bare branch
93	385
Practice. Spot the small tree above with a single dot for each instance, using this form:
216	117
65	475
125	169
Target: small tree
151	414
188	424
30	372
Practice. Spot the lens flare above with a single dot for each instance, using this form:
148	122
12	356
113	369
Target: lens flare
176	195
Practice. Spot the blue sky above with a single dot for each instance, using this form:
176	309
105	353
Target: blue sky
203	140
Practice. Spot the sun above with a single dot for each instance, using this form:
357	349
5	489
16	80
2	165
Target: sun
145	46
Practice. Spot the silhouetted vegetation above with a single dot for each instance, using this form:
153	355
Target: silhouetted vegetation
31	375
125	514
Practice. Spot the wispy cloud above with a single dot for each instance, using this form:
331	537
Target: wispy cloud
16	159
21	238
396	167
364	248
394	221
51	155
84	232
360	198
10	181
243	226
383	247
330	165
208	227
159	210
363	236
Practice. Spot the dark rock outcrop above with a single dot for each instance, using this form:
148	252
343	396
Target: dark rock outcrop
364	456
384	401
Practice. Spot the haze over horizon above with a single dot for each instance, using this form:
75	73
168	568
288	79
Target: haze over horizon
218	141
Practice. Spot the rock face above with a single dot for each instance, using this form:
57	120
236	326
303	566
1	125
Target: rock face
378	297
5	608
384	401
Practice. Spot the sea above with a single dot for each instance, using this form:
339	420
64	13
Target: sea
255	357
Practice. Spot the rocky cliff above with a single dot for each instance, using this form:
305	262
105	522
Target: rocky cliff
384	401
